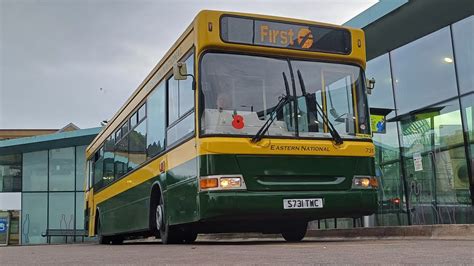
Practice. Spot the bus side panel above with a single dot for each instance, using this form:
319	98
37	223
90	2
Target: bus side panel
182	193
127	211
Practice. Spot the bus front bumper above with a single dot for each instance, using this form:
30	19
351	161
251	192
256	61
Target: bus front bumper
216	206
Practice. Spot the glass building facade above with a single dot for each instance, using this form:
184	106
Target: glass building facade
54	182
424	154
48	182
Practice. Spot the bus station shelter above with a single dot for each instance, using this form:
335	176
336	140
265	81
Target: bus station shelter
42	186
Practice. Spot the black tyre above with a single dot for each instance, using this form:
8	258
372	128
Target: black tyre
168	234
190	237
295	233
117	240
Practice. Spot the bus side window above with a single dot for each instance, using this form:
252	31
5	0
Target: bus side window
108	175
137	140
181	105
98	168
186	93
121	157
156	121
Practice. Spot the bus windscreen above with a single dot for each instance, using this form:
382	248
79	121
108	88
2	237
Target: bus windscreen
315	38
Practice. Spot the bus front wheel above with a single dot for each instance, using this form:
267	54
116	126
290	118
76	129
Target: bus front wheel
296	232
168	234
104	240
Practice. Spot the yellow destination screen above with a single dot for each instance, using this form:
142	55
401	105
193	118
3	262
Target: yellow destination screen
285	35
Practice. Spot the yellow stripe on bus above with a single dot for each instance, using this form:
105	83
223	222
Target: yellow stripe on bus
285	147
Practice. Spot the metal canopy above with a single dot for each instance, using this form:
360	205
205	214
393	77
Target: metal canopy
407	22
51	141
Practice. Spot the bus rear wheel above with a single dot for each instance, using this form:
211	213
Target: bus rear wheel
189	237
117	240
295	233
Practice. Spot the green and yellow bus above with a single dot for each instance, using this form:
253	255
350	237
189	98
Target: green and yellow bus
249	123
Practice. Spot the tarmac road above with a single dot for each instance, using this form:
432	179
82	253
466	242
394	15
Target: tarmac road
248	252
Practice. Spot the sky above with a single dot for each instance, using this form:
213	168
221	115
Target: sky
78	61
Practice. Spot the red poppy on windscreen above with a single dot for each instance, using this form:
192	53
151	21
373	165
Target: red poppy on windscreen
238	122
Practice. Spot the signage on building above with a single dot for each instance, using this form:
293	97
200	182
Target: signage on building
418	161
378	124
378	119
3	225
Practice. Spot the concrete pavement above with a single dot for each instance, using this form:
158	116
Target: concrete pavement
248	252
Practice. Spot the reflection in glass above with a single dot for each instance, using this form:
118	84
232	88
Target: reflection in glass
421	73
98	168
463	39
173	100
186	93
391	209
121	157
35	171
80	167
339	85
141	112
133	119
10	173
387	149
109	166
33	218
137	146
80	206
386	144
434	159
61	169
379	69
156	118
180	130
467	103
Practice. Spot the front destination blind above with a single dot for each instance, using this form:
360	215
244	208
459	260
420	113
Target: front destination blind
285	35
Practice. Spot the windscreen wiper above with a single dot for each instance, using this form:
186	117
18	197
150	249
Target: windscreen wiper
284	99
332	130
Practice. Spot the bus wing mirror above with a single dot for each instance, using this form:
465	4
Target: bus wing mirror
180	71
370	85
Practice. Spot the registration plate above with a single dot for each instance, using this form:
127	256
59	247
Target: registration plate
302	203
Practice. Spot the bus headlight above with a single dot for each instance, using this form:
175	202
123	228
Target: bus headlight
222	182
365	182
230	182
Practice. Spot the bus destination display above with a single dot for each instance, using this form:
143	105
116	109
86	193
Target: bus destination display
285	35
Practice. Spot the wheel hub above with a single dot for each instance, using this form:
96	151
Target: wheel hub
159	217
